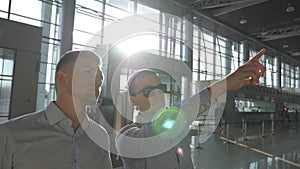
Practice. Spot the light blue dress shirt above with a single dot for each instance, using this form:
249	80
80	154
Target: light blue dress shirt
170	159
46	140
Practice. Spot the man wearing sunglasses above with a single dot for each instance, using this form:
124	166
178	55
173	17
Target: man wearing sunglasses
146	94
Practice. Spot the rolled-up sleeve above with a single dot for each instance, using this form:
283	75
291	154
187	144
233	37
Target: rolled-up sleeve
6	153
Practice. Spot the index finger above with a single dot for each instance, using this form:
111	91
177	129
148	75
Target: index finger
258	55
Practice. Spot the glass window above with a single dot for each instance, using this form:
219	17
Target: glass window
4	5
25	20
82	38
209	54
136	44
282	75
8	67
94	5
3	15
46	93
6	76
116	12
275	72
127	5
144	9
220	57
287	75
292	73
235	60
4	8
172	37
269	72
29	11
87	23
297	85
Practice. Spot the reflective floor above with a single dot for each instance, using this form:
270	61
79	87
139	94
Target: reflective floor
251	151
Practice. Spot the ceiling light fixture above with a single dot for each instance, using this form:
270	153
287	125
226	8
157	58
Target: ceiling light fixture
285	45
243	20
290	8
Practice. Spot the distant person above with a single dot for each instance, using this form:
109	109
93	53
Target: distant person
58	137
146	94
258	109
285	113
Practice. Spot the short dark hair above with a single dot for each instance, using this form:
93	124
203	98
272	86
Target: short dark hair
137	75
72	56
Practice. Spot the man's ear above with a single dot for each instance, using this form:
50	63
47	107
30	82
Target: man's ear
60	78
132	100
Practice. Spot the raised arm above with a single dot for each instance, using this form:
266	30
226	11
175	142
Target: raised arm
247	74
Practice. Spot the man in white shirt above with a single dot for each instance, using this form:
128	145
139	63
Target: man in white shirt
62	136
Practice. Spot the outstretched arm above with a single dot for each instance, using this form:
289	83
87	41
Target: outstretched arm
247	74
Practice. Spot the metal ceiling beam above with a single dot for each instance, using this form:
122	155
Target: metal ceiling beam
206	4
279	33
231	7
295	53
210	20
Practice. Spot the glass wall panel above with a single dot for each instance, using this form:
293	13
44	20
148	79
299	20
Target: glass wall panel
50	50
287	76
29	11
6	77
93	5
144	9
282	75
172	30
213	56
126	5
116	13
292	73
297	85
87	22
4	4
235	59
275	73
269	72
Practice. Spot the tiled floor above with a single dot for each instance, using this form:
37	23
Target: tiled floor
279	151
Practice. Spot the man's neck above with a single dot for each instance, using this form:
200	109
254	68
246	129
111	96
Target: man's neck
144	117
75	111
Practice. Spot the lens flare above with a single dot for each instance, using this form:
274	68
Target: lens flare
169	122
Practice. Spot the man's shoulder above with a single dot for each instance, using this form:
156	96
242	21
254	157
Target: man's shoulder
23	121
134	130
129	127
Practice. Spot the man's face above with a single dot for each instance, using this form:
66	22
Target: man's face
156	99
87	81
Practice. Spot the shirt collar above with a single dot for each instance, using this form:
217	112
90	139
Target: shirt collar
55	115
141	118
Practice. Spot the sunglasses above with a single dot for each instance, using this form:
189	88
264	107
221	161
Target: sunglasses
148	89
